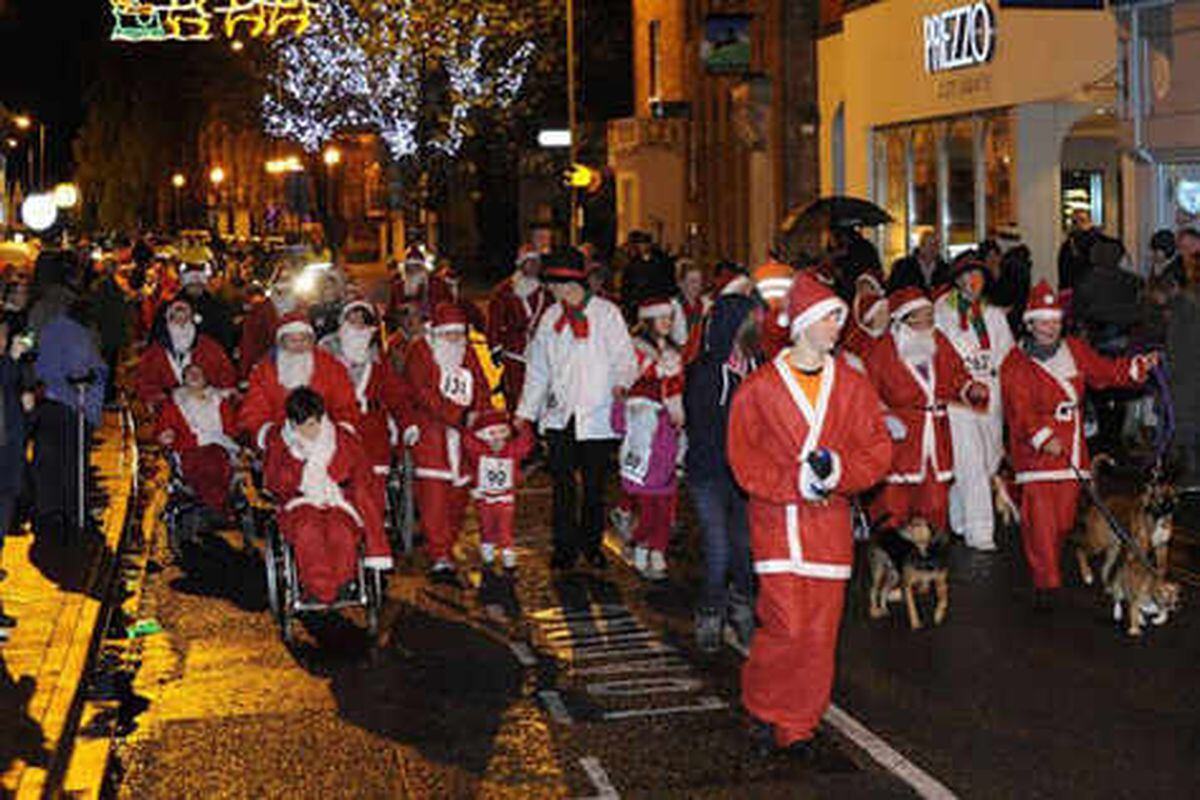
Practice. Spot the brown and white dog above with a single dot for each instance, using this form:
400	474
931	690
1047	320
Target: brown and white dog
1144	593
907	560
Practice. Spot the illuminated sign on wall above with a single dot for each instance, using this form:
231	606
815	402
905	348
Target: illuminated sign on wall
959	37
202	20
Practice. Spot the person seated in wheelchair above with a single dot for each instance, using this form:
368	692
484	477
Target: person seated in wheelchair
323	483
198	423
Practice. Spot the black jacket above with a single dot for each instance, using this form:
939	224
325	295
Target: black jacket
1074	258
708	391
646	279
907	272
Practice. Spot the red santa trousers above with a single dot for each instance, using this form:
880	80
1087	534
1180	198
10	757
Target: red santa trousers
442	507
1048	510
512	381
897	503
208	472
789	675
656	512
325	543
496	523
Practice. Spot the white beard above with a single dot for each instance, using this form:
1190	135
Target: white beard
182	337
447	355
915	347
356	343
413	284
294	370
524	286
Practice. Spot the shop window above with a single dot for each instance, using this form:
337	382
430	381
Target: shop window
960	175
1000	158
1083	190
923	210
838	145
891	182
653	63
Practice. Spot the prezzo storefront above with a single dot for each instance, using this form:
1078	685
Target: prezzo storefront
972	118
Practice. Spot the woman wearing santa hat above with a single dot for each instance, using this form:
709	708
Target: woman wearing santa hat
174	344
447	386
1044	383
806	433
918	376
295	362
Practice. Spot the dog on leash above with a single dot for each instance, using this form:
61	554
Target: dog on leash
1144	593
907	560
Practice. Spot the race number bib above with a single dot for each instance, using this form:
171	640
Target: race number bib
979	363
495	475
456	386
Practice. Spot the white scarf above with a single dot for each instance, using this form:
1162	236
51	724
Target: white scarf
182	337
294	369
315	484
355	343
915	347
203	415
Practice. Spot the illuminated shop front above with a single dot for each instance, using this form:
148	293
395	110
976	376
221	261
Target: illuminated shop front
968	119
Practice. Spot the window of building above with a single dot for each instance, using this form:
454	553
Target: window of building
838	146
1000	157
923	189
960	174
655	73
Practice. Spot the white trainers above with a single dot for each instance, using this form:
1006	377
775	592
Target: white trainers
657	571
510	558
487	551
641	559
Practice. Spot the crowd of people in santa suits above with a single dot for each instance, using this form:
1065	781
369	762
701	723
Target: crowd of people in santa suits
784	395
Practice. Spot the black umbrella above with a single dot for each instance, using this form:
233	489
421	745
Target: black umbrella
834	212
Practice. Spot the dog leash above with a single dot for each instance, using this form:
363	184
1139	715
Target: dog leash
1166	430
1114	524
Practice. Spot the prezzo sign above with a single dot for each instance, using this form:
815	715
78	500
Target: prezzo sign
959	37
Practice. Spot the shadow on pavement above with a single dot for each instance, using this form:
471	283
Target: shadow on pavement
20	736
212	567
71	560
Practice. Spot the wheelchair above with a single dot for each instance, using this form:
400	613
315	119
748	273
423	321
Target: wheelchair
184	516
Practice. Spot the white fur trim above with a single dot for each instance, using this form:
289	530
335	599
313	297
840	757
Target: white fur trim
1041	437
656	310
260	438
911	306
295	326
193	277
815	312
774	288
450	327
355	306
381	563
1042	313
483	433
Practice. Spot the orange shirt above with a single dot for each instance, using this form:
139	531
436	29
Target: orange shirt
810	383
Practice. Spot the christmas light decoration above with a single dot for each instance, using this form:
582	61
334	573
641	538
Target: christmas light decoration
413	72
198	20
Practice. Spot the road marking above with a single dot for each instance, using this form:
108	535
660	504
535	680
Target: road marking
524	655
629	667
886	756
707	703
631	687
619	638
599	778
594	653
553	702
588	614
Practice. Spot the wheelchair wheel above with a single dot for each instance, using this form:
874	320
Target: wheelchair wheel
171	523
374	601
289	588
271	561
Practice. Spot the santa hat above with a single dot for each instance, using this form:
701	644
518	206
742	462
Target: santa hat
490	420
415	256
1043	303
655	307
773	279
967	262
448	318
563	265
357	305
527	253
194	275
869	296
294	322
903	302
808	301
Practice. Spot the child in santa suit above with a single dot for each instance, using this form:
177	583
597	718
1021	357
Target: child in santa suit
447	386
319	474
1044	383
175	343
199	422
494	457
918	373
650	420
295	362
806	434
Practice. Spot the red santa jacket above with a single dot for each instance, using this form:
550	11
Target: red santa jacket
266	399
384	403
440	404
772	429
1040	405
511	318
258	334
920	406
857	343
156	375
349	468
496	476
172	418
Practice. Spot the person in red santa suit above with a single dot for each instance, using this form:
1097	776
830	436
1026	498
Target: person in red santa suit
258	331
295	362
199	422
869	317
514	308
918	373
1043	384
318	472
806	433
447	386
175	343
494	457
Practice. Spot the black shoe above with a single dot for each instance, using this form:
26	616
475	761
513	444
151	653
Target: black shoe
1044	600
562	560
596	559
6	621
762	738
799	750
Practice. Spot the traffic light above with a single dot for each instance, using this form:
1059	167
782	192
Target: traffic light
581	176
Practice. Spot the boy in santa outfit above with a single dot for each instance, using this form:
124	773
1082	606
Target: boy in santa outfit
175	343
513	312
918	376
294	363
494	457
199	422
650	419
1044	382
447	386
318	472
806	433
980	334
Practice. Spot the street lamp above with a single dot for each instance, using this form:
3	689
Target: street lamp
23	122
217	176
332	156
178	181
66	195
